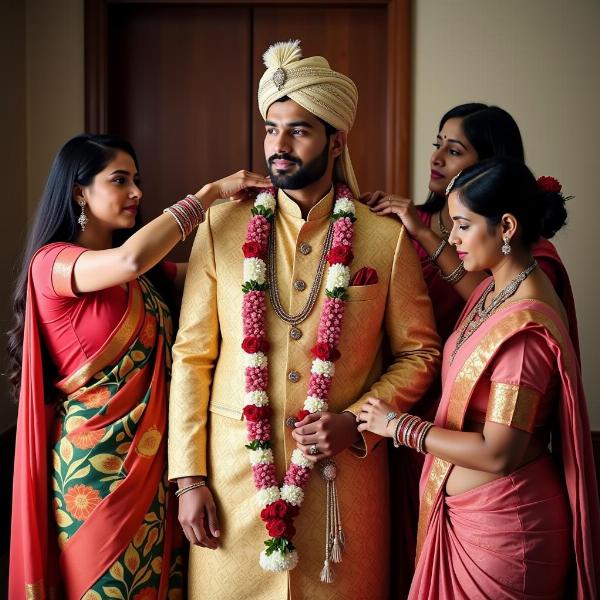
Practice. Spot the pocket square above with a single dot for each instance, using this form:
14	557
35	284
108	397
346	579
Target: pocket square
365	276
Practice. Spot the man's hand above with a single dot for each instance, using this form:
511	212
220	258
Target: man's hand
198	515
233	186
329	432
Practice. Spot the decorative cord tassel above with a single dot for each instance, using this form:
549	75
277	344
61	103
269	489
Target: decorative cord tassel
327	573
337	545
334	536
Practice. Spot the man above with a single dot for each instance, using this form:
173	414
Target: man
308	110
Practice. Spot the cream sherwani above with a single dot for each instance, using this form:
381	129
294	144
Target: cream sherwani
389	349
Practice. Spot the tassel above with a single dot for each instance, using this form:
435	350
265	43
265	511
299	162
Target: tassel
326	573
336	551
334	536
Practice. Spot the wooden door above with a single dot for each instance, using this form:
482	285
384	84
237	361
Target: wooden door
179	80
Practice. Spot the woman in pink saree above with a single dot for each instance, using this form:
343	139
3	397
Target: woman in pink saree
90	354
502	515
467	133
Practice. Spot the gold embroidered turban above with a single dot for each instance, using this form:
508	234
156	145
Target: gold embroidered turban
311	83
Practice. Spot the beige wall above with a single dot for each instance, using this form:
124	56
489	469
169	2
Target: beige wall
55	92
12	167
41	105
538	59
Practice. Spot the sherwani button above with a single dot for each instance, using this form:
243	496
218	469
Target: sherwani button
299	285
290	422
294	376
305	248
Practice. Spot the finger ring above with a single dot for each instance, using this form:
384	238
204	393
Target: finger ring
314	450
391	416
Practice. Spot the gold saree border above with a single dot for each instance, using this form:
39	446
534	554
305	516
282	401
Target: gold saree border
35	591
460	395
513	406
115	345
62	270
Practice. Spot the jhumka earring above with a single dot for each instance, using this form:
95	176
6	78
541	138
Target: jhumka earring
506	246
83	219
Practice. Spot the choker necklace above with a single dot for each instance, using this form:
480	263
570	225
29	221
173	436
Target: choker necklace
471	323
445	233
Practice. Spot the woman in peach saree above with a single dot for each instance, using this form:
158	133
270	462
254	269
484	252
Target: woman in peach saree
502	515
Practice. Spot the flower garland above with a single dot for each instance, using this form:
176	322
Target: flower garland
280	505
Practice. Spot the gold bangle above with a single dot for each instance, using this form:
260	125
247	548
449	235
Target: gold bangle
188	488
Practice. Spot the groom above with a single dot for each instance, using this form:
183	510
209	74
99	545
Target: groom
335	291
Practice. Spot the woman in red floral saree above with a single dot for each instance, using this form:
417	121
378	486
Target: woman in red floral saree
91	354
509	503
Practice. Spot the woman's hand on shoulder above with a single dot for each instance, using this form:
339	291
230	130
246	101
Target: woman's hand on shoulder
236	186
382	203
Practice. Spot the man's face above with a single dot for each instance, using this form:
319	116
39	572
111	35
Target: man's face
297	148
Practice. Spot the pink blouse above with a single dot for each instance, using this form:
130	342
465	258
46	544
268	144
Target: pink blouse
74	326
520	385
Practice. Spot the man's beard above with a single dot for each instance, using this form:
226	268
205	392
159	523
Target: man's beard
304	176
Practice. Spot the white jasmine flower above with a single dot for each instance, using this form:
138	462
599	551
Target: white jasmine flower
323	367
257	359
257	398
255	269
265	496
277	561
344	205
338	276
261	457
299	459
266	200
292	494
313	404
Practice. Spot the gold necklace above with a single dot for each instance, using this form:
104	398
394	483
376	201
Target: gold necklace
471	324
445	233
295	320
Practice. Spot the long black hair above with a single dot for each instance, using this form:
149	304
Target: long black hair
490	130
497	186
77	162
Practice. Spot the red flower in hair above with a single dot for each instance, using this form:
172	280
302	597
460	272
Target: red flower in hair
340	254
253	250
549	184
324	351
253	344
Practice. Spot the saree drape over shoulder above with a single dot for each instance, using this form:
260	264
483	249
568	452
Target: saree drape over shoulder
534	533
95	518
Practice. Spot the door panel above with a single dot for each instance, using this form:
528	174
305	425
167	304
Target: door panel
179	90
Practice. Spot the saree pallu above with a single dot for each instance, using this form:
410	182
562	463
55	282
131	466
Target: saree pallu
506	539
107	528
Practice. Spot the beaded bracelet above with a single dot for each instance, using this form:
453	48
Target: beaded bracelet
456	275
438	250
188	214
188	488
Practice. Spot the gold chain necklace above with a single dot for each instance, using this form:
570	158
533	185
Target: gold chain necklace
445	233
295	320
471	324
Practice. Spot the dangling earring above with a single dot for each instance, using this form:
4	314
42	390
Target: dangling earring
83	219
506	246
